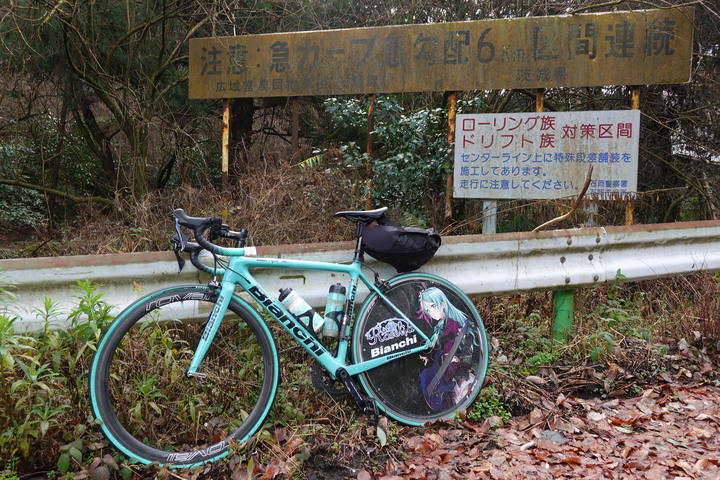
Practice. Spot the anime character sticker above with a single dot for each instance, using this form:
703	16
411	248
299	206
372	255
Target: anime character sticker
448	378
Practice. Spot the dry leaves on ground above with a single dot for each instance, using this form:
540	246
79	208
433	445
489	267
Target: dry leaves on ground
669	431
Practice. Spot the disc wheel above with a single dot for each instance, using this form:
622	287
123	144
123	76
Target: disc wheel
430	385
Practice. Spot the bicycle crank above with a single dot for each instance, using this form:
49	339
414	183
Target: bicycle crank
367	405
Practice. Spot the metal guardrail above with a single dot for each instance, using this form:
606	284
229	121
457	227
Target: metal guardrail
494	264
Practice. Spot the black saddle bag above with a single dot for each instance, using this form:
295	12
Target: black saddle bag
405	248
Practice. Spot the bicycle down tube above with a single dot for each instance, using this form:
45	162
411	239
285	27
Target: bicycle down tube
238	272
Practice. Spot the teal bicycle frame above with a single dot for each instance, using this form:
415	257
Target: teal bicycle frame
237	272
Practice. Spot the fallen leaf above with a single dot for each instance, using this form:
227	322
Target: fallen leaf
420	444
677	443
497	459
536	416
702	464
656	473
685	466
536	380
364	475
596	416
280	434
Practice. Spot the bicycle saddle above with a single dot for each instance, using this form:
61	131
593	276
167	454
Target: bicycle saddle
363	216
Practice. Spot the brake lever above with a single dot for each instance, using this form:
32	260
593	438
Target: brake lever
178	246
181	262
181	236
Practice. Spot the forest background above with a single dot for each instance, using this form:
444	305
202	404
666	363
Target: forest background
98	139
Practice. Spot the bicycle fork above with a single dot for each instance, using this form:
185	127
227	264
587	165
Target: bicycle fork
211	328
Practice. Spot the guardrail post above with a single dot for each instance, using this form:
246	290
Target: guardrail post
563	302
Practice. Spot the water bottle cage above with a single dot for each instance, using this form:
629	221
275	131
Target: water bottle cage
307	322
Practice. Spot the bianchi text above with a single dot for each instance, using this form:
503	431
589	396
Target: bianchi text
385	349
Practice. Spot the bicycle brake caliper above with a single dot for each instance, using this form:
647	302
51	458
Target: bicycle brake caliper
367	405
380	283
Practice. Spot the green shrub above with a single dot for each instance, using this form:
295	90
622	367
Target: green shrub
411	154
43	384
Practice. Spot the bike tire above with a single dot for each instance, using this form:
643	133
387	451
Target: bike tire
146	405
399	386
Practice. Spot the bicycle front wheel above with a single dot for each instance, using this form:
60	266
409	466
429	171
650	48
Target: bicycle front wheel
431	385
150	410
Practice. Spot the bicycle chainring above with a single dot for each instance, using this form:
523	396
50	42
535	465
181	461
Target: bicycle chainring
323	383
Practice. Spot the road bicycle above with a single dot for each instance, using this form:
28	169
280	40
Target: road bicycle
187	373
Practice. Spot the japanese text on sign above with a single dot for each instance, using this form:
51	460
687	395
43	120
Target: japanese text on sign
620	48
546	155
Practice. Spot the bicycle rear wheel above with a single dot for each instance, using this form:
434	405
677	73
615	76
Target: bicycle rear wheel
428	386
150	410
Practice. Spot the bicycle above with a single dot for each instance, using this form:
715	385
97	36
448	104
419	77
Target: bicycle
185	373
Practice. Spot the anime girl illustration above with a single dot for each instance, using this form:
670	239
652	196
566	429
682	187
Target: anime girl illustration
448	377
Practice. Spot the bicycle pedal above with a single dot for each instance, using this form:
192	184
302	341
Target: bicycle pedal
371	410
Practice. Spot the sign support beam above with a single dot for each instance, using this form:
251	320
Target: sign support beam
295	112
370	148
225	152
452	117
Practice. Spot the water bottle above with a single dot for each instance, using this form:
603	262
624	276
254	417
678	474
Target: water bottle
333	311
301	310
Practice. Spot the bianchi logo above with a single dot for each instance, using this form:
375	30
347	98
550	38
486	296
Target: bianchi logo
388	330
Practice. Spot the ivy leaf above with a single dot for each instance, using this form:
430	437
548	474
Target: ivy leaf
63	463
76	454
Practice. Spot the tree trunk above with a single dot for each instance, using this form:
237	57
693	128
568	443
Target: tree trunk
137	136
101	146
56	162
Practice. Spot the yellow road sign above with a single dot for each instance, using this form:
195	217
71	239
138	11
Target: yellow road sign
620	48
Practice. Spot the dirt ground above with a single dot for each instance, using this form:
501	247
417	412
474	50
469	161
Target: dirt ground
668	431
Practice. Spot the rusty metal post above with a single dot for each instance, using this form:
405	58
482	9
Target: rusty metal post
370	148
225	152
452	115
635	97
295	113
629	207
539	100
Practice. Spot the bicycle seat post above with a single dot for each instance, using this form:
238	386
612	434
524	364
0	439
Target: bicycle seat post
358	244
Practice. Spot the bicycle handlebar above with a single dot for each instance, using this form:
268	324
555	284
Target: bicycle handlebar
200	225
